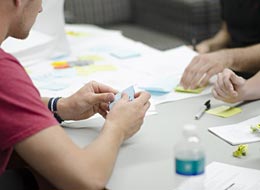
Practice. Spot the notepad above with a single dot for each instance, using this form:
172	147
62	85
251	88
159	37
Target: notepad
224	111
238	133
195	91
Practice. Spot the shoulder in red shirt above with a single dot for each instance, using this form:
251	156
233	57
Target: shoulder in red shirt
22	113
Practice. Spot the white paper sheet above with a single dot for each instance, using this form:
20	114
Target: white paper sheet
238	133
220	176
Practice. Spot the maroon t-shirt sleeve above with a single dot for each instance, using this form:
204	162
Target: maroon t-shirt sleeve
22	113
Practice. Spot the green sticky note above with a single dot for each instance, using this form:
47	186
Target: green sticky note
195	91
224	111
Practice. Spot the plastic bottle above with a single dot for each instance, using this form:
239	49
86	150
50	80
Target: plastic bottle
189	161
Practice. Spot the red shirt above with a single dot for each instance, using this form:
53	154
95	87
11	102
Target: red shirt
22	113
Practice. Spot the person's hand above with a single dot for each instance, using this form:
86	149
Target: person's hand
229	87
203	47
92	98
202	68
126	117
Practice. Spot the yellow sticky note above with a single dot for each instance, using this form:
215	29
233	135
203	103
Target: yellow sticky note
94	68
91	58
224	111
76	34
195	91
59	63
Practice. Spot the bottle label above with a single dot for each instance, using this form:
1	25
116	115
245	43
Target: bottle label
190	167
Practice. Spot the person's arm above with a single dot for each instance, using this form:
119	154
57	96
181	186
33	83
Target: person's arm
252	88
53	155
245	59
92	98
204	66
231	88
217	42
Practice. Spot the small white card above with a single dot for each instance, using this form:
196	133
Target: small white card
130	91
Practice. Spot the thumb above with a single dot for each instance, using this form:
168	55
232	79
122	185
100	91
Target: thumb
102	97
237	80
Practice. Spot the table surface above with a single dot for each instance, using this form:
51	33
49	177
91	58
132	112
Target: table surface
146	160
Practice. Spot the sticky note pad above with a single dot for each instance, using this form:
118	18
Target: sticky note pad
224	111
60	64
159	85
195	91
77	34
124	54
94	68
129	91
91	58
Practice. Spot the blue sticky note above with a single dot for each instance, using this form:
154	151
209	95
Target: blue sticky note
160	86
130	91
124	54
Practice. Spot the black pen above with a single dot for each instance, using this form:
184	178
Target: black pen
205	107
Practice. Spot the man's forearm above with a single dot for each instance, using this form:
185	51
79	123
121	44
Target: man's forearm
104	151
245	59
251	88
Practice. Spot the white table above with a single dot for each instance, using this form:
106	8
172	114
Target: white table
145	161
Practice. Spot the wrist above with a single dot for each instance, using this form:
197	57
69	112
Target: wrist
53	107
227	58
249	91
114	131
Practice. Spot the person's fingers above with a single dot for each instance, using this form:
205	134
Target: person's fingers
103	113
216	95
98	98
217	89
207	75
201	77
147	106
189	73
124	97
229	87
104	106
102	88
142	97
201	71
221	86
237	80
